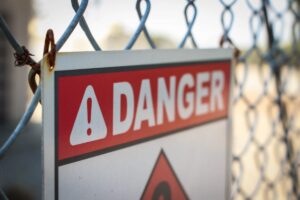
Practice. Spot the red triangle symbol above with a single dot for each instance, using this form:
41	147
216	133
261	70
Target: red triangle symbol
163	183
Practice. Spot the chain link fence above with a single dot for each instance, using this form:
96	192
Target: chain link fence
266	111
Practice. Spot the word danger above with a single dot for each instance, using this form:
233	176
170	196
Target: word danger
106	110
184	95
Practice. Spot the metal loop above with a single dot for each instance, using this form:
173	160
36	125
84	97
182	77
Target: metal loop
31	79
49	43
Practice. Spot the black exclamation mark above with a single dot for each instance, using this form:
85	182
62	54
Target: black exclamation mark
89	114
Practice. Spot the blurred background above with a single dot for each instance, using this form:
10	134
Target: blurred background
266	107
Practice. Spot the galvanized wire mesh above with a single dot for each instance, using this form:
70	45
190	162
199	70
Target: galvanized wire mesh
266	111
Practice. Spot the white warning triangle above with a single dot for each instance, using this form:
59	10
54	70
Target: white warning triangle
89	123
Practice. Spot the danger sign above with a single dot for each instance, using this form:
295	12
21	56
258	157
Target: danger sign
137	125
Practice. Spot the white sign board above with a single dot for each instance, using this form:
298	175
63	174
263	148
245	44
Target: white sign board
150	124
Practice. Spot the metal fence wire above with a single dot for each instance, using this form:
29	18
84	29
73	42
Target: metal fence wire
266	111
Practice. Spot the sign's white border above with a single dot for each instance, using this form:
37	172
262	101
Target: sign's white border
105	59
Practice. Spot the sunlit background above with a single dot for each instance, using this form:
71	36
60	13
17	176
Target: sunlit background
260	168
112	25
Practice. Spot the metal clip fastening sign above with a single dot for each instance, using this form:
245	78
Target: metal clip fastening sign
35	69
49	42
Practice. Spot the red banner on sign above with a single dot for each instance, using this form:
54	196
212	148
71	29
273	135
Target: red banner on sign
101	110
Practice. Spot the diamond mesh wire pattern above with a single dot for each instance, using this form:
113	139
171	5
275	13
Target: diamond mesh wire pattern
266	106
